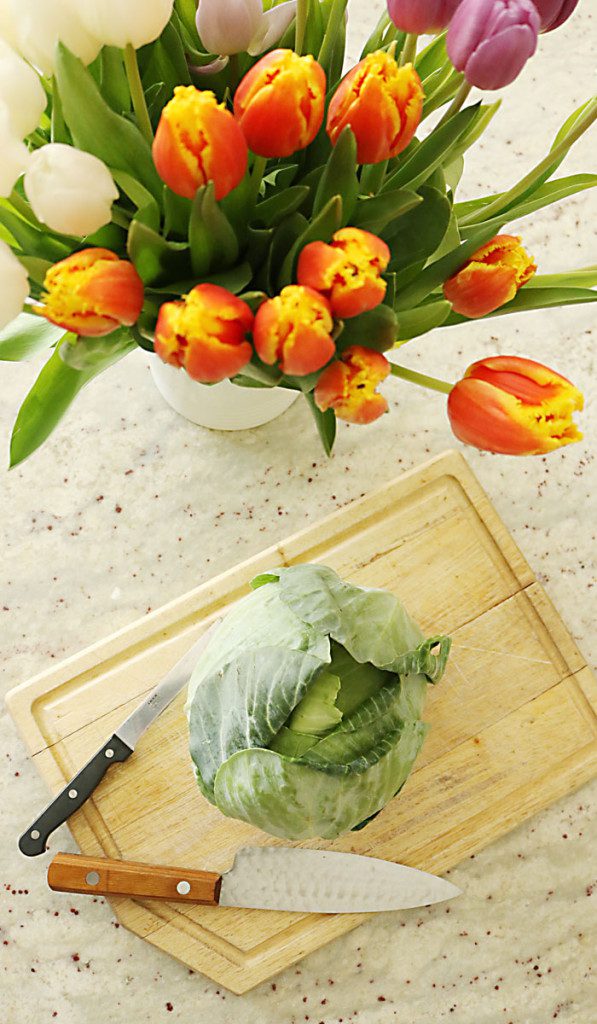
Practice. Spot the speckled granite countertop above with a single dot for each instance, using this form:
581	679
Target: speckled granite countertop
129	506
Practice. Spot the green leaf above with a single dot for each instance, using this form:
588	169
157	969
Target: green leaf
418	233
50	397
211	237
432	57
378	212
376	329
282	241
41	244
273	210
90	354
325	423
340	177
321	228
149	211
544	195
167	63
432	152
155	259
440	270
26	336
113	81
96	128
414	322
36	269
478	125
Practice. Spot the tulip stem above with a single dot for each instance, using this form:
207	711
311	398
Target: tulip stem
256	179
456	103
433	383
503	201
409	50
137	94
302	12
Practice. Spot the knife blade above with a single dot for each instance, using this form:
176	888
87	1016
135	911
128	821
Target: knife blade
264	878
117	749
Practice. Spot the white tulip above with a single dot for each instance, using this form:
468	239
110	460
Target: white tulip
7	22
69	190
39	25
233	26
21	91
126	22
14	286
15	155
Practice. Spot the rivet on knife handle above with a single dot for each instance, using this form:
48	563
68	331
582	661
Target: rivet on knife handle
71	872
73	796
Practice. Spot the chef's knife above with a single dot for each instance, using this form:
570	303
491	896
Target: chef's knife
264	878
117	748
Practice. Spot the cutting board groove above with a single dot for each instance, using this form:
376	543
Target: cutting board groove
513	722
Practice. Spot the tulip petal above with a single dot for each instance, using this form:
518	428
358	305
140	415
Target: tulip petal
294	330
272	27
348	386
499	60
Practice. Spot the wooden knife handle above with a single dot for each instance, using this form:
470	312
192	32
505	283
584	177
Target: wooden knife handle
71	872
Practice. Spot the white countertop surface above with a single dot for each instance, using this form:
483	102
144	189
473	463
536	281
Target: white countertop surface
129	506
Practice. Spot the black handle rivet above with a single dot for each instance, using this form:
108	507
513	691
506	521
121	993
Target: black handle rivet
109	752
34	833
73	794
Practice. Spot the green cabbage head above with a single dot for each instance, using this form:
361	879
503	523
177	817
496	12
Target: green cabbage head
305	708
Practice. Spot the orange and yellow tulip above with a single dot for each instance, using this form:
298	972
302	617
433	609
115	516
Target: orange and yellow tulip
347	271
382	103
205	332
279	104
197	141
492	277
348	385
295	330
91	293
514	406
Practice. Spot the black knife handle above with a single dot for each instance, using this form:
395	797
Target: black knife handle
73	796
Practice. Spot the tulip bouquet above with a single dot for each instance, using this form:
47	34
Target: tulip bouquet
202	182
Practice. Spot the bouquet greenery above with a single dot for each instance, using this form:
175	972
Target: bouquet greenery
204	183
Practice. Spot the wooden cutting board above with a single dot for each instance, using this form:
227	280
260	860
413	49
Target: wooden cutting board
513	722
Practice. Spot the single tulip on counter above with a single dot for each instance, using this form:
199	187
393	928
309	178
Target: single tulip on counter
91	293
198	140
70	190
279	103
294	330
492	277
514	406
421	16
348	385
347	271
554	13
382	103
491	40
14	286
205	332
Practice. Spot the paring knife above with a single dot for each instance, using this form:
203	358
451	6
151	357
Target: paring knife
264	878
116	749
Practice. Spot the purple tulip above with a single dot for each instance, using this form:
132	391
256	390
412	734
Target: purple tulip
554	13
421	15
491	40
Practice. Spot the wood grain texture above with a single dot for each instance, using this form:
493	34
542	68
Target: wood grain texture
70	872
513	721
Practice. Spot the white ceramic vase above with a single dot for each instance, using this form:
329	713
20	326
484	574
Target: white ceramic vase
222	406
